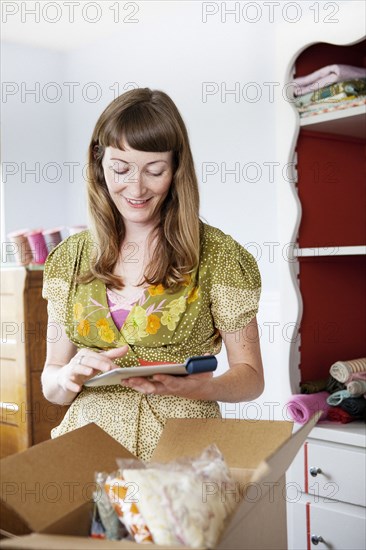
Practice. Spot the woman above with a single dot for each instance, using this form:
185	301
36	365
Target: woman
149	283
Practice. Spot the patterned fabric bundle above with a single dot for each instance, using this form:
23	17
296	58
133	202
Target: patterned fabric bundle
349	89
342	370
330	88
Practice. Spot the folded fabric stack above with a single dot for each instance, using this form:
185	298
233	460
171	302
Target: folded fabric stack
330	88
341	397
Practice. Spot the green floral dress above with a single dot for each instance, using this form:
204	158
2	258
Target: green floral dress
221	294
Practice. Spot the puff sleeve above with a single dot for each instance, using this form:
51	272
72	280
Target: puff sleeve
235	286
58	278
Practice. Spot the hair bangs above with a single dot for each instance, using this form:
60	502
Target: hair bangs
144	129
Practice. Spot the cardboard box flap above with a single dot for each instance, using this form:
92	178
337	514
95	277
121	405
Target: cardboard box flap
267	475
243	443
279	462
38	485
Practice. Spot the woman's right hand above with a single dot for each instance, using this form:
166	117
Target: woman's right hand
86	364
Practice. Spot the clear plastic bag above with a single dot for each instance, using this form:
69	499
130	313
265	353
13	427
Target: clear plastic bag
182	502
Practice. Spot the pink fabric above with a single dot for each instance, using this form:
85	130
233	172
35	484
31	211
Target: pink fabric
326	76
301	407
118	315
357	376
119	307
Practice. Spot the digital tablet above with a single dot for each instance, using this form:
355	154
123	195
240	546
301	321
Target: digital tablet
193	365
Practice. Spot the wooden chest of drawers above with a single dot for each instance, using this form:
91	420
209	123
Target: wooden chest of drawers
26	418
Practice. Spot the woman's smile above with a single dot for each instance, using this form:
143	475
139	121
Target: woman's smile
137	203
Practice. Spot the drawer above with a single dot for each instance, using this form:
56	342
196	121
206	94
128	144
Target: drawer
10	350
11	388
339	472
9	308
341	526
12	280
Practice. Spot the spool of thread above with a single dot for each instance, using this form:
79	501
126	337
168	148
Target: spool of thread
37	245
76	229
52	237
19	248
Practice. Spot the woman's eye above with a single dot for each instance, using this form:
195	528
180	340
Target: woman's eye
156	175
124	172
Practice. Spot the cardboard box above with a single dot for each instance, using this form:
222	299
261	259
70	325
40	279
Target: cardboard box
46	490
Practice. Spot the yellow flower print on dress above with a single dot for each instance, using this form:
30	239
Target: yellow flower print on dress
193	295
105	333
78	311
155	290
169	319
178	306
153	324
83	327
135	326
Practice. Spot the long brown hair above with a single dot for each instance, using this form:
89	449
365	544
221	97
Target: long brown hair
147	120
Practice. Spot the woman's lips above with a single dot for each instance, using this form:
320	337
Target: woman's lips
134	203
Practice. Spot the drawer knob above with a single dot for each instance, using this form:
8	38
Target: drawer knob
315	539
314	471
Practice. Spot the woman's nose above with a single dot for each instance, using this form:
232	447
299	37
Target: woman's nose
135	182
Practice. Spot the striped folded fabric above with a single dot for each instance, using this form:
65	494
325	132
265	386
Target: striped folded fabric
343	370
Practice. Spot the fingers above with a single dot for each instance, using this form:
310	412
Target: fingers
72	386
92	360
117	352
165	384
143	385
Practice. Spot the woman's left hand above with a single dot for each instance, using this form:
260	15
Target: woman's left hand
193	386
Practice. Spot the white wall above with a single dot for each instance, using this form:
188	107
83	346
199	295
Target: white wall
34	139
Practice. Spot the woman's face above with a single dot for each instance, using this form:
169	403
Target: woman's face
138	182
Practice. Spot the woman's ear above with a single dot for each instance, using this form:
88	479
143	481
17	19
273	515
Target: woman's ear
97	150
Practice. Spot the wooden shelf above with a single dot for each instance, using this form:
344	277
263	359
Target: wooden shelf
349	122
330	251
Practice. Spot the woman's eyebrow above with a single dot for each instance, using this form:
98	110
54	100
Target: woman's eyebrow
152	162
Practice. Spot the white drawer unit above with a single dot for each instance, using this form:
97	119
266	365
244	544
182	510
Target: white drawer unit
314	523
331	471
326	490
